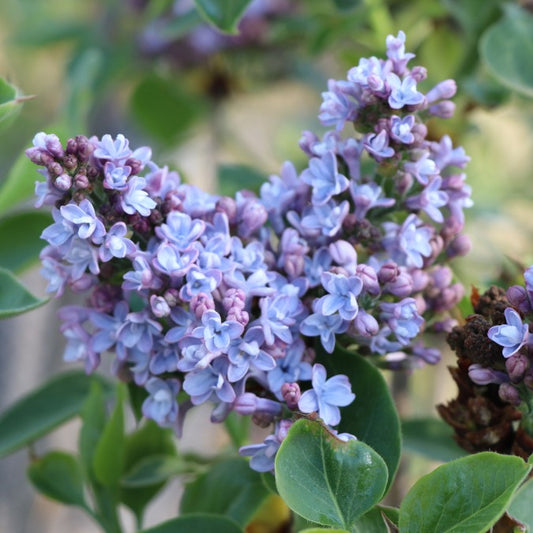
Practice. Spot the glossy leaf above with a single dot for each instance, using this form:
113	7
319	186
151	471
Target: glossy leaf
43	409
20	241
109	453
230	488
326	480
15	299
145	444
507	49
372	416
521	507
465	495
59	476
201	522
371	522
431	438
223	14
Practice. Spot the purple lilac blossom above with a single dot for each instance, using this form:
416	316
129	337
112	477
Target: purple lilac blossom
511	336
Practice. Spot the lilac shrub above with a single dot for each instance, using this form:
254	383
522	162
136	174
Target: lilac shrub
232	300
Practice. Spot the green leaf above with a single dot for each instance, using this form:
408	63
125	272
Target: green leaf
326	480
93	415
153	470
372	416
230	488
371	522
10	102
148	442
165	109
44	409
238	428
521	507
321	529
233	178
109	453
507	49
431	438
223	14
345	5
15	299
465	495
21	241
201	522
59	476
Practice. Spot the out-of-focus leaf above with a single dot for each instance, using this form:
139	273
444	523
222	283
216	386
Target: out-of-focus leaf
109	453
83	72
223	14
43	32
165	109
431	438
10	102
326	480
230	488
153	470
59	476
149	443
347	4
507	49
20	241
233	178
200	522
15	299
43	409
521	507
467	495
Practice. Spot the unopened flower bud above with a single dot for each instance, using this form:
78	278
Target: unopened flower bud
283	429
228	206
444	109
483	376
253	216
159	306
459	246
365	324
81	181
70	162
85	148
200	303
135	165
508	393
63	182
343	253
519	298
402	286
419	73
442	91
172	297
388	272
369	278
516	366
291	394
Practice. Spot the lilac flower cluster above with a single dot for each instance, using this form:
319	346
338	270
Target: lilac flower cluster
226	300
376	213
184	287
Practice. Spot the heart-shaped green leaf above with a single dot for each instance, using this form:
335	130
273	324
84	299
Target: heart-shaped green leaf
326	480
223	14
521	507
372	417
59	476
463	496
507	49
